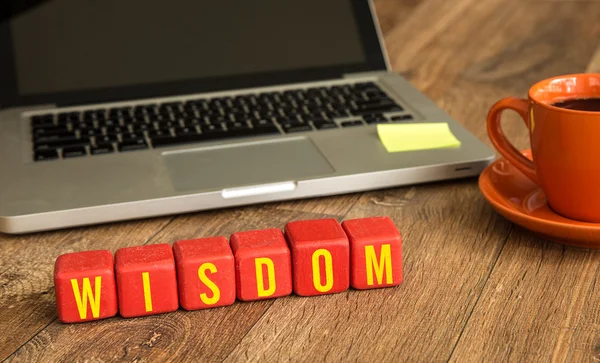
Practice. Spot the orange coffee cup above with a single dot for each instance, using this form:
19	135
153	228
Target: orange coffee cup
565	144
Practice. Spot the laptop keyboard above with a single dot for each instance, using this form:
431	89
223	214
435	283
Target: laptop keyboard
124	129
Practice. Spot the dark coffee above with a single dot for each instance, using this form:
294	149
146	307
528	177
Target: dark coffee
580	104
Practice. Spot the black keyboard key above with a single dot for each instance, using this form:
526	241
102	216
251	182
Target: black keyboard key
191	122
237	126
128	119
262	123
42	120
140	127
336	114
376	109
49	130
63	142
113	130
295	127
64	117
163	141
265	130
103	139
164	117
74	151
402	118
351	123
108	123
89	116
91	132
159	133
49	154
362	104
125	110
102	148
282	120
132	136
322	124
374	118
213	131
217	119
364	85
130	144
82	126
182	131
56	136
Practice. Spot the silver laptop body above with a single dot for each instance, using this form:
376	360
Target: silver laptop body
330	154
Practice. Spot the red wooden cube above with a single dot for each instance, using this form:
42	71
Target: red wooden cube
375	252
85	286
146	280
320	256
262	264
205	273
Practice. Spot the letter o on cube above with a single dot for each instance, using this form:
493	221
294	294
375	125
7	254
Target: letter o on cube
320	256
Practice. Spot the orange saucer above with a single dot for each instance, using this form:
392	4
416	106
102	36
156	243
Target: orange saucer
521	201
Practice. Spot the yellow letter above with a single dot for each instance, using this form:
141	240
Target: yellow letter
384	259
209	283
82	299
260	286
316	269
147	293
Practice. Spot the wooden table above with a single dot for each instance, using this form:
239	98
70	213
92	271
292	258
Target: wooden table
476	288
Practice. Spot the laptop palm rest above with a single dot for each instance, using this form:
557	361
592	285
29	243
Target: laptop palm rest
245	164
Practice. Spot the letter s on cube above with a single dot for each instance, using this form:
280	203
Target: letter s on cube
146	280
205	273
375	252
320	256
84	283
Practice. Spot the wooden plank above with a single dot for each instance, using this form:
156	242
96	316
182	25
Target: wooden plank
537	305
449	250
441	38
540	302
26	272
335	205
207	335
390	14
594	65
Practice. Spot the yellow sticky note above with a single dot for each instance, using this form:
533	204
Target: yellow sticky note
416	136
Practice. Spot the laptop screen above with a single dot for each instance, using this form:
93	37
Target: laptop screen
74	46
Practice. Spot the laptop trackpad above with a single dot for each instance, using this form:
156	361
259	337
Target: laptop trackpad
245	164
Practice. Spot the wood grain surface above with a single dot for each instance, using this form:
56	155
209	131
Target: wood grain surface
476	287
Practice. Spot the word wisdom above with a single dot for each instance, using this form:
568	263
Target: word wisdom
307	258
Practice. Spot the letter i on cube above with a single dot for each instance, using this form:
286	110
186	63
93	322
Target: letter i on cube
205	273
376	252
146	280
84	283
320	256
263	264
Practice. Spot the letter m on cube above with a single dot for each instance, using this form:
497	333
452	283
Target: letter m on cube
85	286
375	252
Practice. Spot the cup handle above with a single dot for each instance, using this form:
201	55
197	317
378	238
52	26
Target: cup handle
516	158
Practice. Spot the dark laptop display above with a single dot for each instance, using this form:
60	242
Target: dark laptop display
71	46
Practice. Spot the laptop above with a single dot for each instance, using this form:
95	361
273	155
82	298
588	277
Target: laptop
118	110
